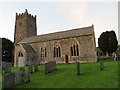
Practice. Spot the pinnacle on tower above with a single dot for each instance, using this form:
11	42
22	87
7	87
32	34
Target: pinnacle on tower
26	11
92	24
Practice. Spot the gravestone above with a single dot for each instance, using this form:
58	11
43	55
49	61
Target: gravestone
18	77
3	65
22	69
101	65
78	68
30	68
50	66
9	80
35	67
26	77
7	67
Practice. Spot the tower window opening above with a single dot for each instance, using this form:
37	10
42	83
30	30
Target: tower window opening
20	24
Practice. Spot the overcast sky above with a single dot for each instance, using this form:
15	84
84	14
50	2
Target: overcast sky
61	16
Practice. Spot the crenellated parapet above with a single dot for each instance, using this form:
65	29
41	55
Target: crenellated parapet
25	15
25	26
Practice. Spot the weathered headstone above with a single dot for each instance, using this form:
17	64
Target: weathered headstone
26	77
18	77
35	67
9	80
78	68
7	67
3	65
50	66
101	65
30	68
22	69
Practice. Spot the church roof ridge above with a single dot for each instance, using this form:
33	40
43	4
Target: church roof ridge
59	35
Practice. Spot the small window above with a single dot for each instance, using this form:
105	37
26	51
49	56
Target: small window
20	54
54	52
74	48
20	24
71	47
59	52
77	50
43	52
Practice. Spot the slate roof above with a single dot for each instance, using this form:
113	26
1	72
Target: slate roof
59	35
27	48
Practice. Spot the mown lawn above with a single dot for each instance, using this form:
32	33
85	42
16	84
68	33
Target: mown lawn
65	76
0	81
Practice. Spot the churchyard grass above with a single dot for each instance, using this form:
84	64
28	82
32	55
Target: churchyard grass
0	81
66	77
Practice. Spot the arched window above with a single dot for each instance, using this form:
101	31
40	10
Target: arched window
71	50
57	52
77	50
43	52
74	49
54	51
20	54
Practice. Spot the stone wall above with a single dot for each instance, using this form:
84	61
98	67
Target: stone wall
31	58
87	50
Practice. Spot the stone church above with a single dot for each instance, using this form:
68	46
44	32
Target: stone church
64	47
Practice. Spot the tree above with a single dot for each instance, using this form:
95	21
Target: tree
107	42
0	51
99	52
7	50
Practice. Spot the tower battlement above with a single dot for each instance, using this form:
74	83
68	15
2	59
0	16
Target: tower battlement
25	26
25	15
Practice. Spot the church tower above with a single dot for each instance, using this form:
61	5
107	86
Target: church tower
25	26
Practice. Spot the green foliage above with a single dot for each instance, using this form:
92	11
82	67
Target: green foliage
105	58
7	50
108	42
100	52
0	81
66	76
118	49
